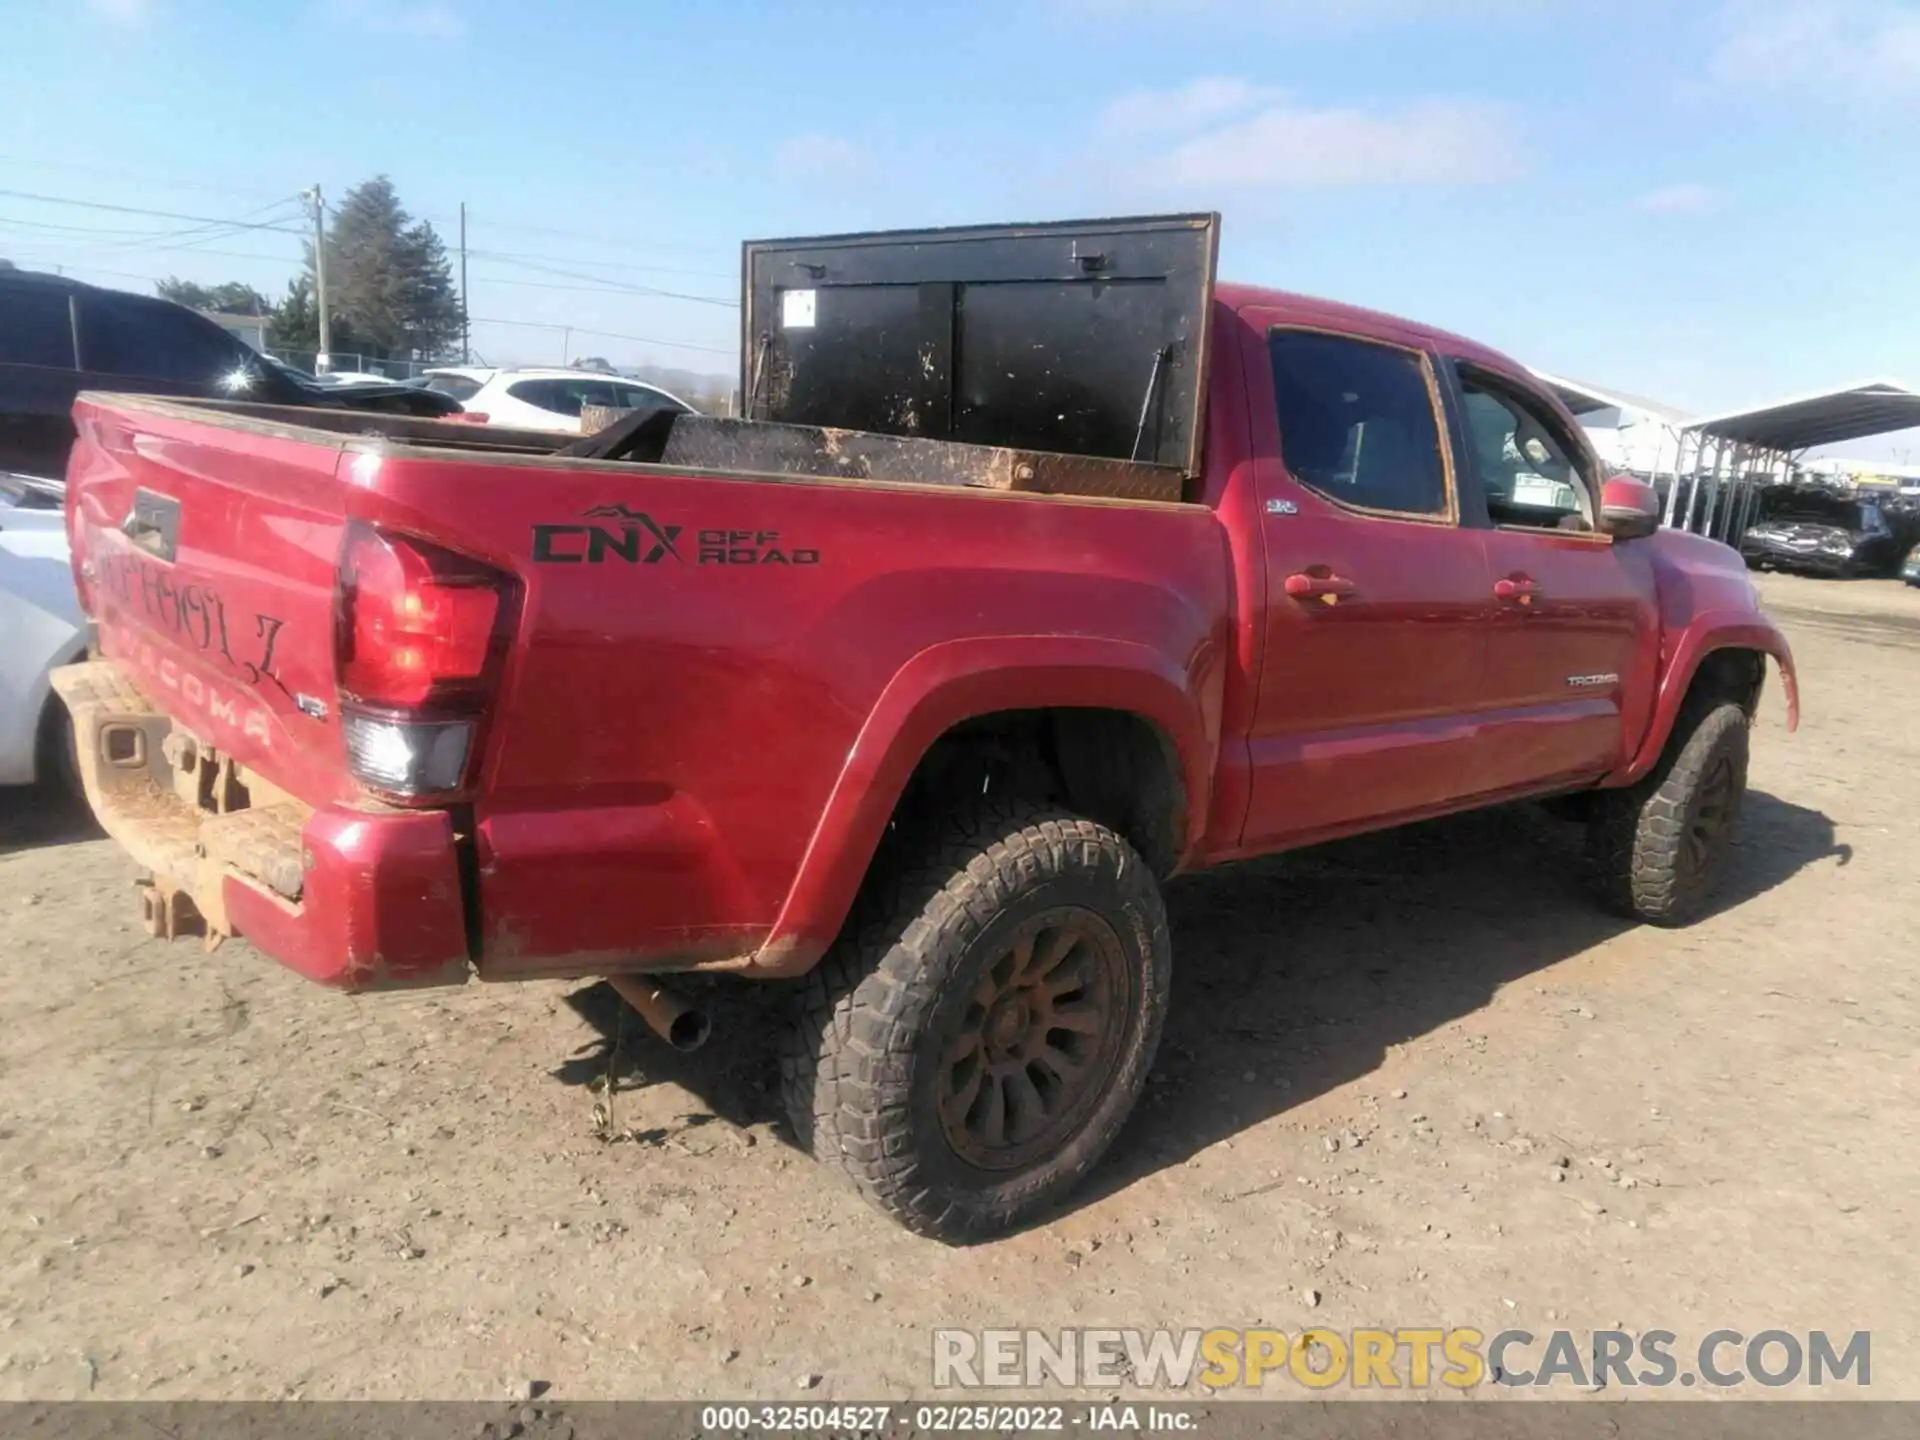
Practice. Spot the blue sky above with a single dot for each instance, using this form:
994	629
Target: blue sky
1712	203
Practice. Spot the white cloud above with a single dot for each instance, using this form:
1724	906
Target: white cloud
123	12
1866	50
1278	143
1212	97
816	156
421	19
1686	198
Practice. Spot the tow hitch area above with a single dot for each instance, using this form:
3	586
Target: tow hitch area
168	913
362	898
184	811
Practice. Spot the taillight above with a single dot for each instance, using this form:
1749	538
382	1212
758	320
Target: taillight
421	635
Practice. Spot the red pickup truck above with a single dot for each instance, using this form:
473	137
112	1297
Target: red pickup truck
1039	570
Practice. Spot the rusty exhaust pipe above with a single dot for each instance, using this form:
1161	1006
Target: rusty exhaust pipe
683	1026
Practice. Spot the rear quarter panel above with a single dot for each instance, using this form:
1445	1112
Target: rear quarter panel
680	708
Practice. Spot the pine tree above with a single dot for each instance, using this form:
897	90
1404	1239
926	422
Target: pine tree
232	298
389	282
295	324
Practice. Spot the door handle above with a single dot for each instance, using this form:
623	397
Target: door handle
1519	587
1305	586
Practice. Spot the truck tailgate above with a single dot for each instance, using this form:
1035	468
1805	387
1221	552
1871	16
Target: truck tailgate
207	557
208	734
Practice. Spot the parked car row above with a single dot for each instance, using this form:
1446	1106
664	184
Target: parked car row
1814	531
60	336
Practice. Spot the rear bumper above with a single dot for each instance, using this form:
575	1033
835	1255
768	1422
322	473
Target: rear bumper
355	899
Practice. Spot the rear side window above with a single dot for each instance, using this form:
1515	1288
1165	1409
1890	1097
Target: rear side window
458	387
1357	422
153	342
562	397
36	327
641	397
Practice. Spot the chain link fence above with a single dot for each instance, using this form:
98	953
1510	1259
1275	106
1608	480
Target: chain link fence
345	361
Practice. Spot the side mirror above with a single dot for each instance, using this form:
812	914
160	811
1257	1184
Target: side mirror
1629	508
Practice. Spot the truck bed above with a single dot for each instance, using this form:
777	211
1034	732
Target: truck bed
717	447
688	663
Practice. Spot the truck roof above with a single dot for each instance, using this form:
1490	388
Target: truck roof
1357	320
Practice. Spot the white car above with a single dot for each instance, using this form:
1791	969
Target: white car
40	627
532	399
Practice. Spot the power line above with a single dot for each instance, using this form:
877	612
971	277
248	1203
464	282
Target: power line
223	227
97	270
599	289
143	176
138	210
609	335
221	230
132	237
621	264
603	281
607	240
6	221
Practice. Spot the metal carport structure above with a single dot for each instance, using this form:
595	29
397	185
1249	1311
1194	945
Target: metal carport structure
1723	461
1654	419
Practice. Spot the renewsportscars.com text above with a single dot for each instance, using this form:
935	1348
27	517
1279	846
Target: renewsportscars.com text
1459	1358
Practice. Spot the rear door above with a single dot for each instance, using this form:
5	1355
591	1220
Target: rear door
1573	640
1377	600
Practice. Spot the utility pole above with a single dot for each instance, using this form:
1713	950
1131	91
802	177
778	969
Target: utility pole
466	334
324	360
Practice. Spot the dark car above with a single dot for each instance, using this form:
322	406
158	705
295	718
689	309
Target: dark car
1910	567
1820	533
60	336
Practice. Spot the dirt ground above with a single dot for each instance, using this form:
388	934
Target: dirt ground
221	1181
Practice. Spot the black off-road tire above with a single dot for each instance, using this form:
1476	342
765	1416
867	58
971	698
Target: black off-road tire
1655	847
865	1064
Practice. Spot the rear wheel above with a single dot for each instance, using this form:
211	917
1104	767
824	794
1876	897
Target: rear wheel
973	1044
1656	848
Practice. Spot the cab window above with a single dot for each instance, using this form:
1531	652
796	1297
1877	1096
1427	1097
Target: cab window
1525	462
1357	423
